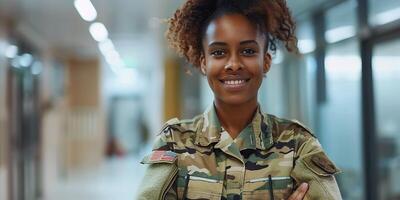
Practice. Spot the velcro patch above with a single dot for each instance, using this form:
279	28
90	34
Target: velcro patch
160	156
320	164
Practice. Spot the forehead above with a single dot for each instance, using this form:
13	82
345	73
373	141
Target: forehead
231	27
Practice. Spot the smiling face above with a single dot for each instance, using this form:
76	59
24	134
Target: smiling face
234	59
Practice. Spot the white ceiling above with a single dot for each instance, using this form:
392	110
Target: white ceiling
55	24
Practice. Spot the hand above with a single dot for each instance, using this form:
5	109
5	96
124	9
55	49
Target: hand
299	193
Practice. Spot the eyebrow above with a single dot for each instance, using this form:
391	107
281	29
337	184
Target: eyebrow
224	44
217	44
249	42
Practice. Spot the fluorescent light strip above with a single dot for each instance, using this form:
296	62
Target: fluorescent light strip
339	33
110	54
98	32
106	46
86	10
387	16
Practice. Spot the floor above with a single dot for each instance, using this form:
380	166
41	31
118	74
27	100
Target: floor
117	178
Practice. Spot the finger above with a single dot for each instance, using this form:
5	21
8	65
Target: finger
294	194
299	193
303	190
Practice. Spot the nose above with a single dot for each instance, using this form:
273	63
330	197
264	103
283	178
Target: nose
234	63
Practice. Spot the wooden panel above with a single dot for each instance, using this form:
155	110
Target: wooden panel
85	139
172	94
83	83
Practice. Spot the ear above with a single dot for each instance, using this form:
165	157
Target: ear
267	62
203	67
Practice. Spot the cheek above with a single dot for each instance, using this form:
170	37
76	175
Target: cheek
214	67
210	75
215	64
255	66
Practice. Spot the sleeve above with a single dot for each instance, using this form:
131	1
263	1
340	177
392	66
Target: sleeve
160	176
313	166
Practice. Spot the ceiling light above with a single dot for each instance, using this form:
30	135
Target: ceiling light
85	9
98	31
37	68
25	60
106	46
110	54
113	58
11	51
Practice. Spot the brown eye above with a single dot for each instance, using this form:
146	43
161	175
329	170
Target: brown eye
248	52
218	53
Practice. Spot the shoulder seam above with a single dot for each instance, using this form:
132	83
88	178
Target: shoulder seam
304	127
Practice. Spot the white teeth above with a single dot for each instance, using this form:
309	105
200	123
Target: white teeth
234	82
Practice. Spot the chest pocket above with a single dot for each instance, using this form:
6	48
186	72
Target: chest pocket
203	188
260	188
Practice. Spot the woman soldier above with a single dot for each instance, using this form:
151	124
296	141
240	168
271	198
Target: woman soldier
234	150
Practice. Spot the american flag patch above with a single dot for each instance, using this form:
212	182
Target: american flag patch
167	156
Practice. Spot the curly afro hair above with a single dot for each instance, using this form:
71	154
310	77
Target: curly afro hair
187	26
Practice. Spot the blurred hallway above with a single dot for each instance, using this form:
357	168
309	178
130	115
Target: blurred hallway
108	181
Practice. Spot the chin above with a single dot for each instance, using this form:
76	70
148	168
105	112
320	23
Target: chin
235	99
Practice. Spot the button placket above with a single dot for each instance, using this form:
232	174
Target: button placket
234	176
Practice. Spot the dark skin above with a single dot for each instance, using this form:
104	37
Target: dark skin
235	61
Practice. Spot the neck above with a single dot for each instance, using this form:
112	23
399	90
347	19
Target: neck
234	118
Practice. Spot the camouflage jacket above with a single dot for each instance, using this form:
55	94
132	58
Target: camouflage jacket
197	159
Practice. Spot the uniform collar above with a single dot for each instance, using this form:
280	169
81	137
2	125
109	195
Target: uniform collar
257	135
210	130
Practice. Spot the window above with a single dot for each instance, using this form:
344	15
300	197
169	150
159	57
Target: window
386	78
340	116
340	119
383	11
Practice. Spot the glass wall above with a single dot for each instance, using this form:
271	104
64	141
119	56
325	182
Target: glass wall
272	91
341	22
340	115
386	79
307	67
383	11
340	120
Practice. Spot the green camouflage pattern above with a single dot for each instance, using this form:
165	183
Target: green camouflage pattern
261	162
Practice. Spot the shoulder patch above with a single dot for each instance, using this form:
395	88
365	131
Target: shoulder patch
160	156
320	164
157	156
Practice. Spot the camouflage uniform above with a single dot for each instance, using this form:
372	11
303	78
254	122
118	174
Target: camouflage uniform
197	159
